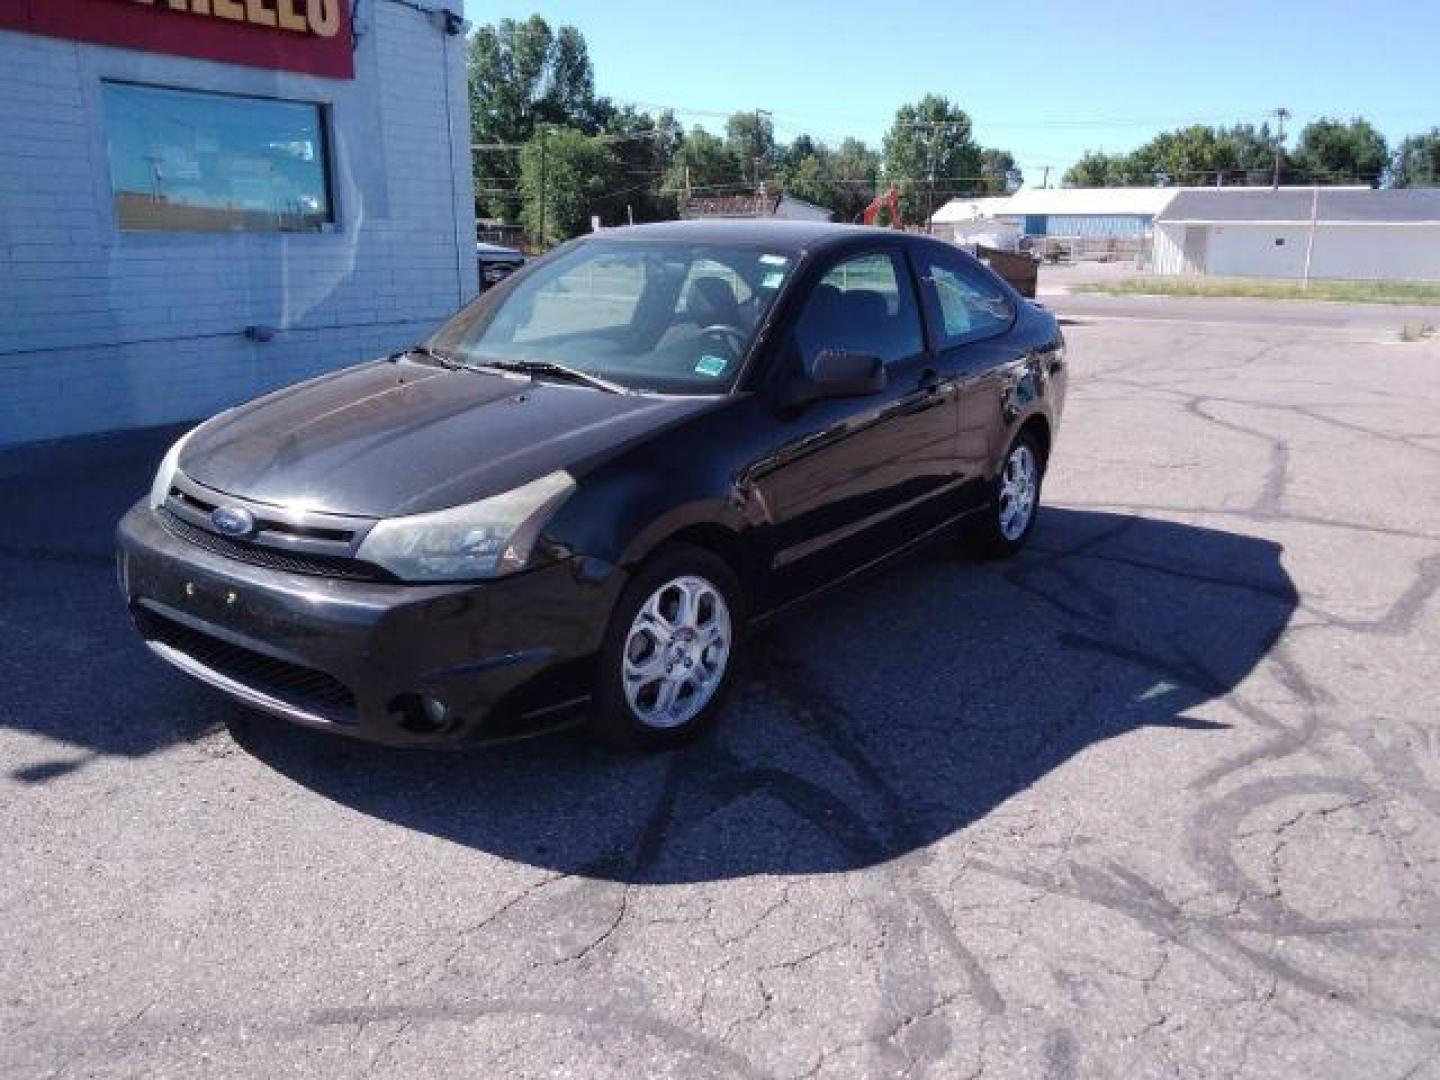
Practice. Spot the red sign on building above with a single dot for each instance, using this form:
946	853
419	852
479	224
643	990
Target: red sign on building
311	36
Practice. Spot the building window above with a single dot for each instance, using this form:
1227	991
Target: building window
182	161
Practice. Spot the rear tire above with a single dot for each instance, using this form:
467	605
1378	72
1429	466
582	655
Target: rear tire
1003	527
670	651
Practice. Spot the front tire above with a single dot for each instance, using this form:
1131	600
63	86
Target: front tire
669	653
1005	525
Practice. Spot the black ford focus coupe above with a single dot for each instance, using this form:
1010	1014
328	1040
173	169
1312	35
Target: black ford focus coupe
586	486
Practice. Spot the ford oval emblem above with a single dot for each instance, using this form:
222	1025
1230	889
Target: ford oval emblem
232	521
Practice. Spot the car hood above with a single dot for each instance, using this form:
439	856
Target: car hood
390	438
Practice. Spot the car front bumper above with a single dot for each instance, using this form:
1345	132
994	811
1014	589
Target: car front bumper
391	663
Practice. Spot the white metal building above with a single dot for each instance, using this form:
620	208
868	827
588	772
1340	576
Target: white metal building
1110	213
1340	233
202	201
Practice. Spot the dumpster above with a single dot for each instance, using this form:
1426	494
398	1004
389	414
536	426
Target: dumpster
1021	270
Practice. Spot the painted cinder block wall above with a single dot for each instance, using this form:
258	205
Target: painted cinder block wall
103	330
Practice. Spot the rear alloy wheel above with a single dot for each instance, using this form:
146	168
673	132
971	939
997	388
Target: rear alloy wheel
1005	525
670	651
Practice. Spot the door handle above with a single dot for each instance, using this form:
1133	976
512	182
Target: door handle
933	385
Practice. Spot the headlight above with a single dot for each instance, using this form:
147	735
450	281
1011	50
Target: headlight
484	539
165	474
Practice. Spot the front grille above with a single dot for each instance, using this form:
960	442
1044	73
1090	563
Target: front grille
303	687
204	505
258	555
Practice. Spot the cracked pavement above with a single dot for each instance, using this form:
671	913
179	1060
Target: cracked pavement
1161	797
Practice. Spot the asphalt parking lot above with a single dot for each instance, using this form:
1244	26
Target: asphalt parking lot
1161	797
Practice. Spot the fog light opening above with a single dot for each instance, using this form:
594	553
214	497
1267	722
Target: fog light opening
423	714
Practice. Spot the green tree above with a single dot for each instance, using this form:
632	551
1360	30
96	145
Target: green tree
1255	154
1096	169
523	74
813	179
931	153
799	150
1193	155
703	164
644	147
565	176
999	175
1417	161
750	136
1333	152
855	169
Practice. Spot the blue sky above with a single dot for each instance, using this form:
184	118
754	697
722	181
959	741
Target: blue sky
1043	80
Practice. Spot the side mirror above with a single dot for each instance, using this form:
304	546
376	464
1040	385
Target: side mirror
836	373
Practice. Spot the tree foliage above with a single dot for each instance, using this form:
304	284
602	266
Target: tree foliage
750	137
565	176
1333	152
999	175
1417	161
1097	169
1194	155
1328	152
702	164
523	74
930	153
644	147
811	178
856	169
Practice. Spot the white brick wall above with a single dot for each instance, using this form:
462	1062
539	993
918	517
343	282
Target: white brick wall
101	329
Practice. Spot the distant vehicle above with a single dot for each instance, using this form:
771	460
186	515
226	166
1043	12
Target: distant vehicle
587	484
496	263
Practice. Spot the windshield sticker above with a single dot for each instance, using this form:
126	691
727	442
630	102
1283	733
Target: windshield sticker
772	279
775	260
712	366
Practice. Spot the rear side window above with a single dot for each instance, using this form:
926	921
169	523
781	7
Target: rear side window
863	305
968	305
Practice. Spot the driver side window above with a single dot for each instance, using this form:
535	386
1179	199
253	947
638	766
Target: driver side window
863	305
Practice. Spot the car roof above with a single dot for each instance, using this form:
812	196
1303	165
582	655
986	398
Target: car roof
781	236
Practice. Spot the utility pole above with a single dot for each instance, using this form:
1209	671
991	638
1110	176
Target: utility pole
1045	182
541	131
759	156
1310	240
930	188
933	128
1281	115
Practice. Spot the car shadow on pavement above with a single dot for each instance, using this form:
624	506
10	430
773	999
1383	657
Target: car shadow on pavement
870	723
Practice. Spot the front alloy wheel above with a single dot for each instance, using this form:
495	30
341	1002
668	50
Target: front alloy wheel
677	652
670	650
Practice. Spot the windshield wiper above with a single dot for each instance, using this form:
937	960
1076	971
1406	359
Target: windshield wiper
443	359
558	371
525	367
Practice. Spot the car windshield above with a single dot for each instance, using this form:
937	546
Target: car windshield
649	315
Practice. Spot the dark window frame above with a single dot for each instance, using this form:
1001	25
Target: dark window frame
329	167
